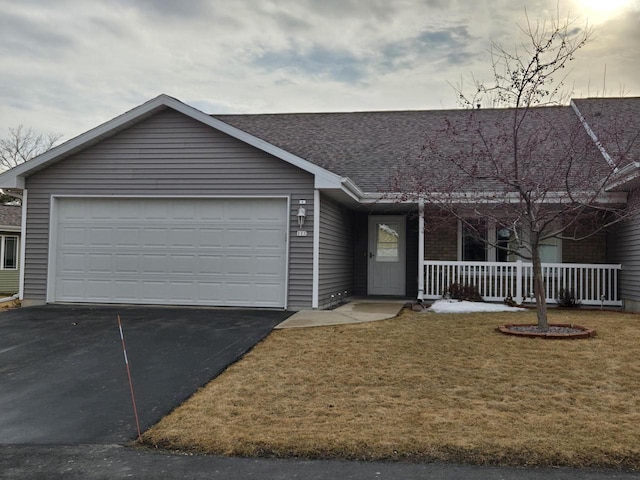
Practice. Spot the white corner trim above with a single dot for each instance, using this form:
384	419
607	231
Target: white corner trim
23	244
315	289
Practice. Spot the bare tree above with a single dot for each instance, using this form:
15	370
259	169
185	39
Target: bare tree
23	144
531	169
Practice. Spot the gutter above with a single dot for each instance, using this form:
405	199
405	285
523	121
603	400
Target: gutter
351	189
626	174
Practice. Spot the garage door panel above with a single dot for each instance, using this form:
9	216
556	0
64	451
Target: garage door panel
265	265
73	262
182	291
154	236
239	238
153	290
154	264
268	238
126	290
98	236
98	290
73	236
99	263
72	288
210	264
125	263
211	238
127	237
171	251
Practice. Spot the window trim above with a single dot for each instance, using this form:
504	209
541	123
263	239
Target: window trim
3	250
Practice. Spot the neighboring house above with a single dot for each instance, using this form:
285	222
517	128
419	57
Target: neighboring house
167	205
10	221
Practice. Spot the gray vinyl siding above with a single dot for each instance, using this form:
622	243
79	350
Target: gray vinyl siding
336	253
623	246
170	154
361	254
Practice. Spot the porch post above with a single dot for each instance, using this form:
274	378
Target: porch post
519	273
420	250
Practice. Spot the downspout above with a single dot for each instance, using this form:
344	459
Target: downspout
420	250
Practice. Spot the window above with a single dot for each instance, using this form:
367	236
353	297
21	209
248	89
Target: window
387	243
9	252
550	250
474	240
481	240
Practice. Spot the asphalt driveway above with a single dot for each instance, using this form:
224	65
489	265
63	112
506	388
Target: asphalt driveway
63	378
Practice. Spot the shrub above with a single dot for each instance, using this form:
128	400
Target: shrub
510	302
459	291
566	298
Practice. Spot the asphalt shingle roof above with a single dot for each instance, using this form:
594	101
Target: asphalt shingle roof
10	215
616	122
375	149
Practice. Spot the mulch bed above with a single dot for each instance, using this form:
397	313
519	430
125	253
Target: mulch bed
557	331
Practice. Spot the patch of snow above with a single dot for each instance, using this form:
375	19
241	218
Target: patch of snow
457	306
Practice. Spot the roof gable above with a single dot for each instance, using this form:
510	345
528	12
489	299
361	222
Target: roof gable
14	178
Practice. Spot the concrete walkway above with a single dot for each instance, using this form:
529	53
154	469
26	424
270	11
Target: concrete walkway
356	311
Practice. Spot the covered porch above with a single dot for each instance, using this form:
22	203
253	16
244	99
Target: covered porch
579	269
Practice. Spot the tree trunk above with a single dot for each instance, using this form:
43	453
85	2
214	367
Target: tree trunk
538	287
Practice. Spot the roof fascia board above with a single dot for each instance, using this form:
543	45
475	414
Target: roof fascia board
14	178
614	198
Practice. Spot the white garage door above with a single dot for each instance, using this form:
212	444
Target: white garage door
170	251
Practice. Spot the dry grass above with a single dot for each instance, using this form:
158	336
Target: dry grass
9	305
426	387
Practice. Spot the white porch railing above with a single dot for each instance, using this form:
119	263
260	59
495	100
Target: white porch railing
591	284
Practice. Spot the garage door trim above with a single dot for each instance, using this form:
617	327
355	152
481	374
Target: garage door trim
53	227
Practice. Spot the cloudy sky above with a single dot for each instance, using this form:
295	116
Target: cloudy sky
69	65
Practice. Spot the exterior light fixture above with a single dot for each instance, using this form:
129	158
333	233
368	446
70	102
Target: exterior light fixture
302	214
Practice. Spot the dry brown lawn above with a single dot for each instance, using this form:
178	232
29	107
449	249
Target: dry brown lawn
426	387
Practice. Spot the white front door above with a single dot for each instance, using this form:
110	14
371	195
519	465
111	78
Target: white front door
386	255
